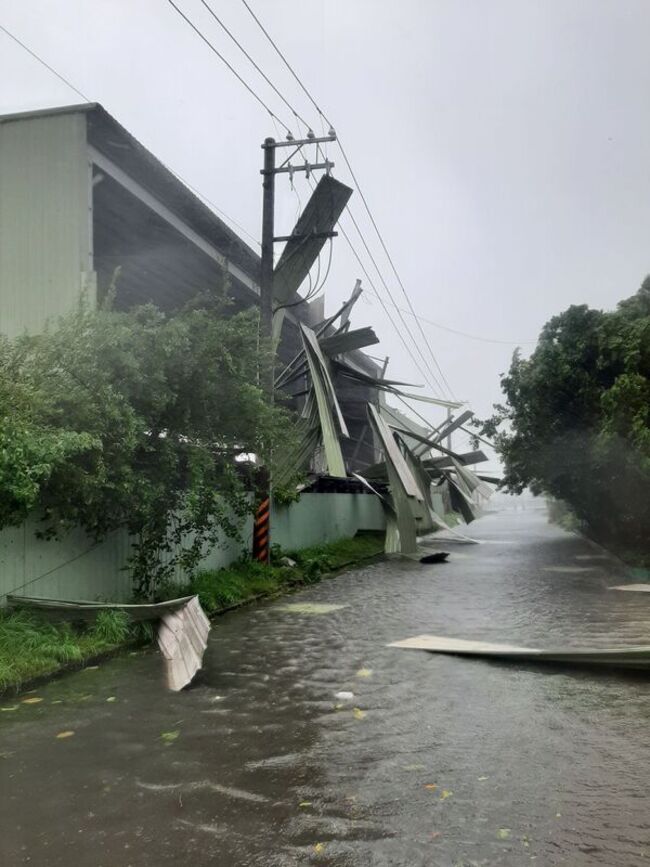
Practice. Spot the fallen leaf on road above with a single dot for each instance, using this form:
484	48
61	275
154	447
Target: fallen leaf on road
9	709
169	737
111	698
57	701
503	833
482	779
91	668
358	713
33	700
319	848
364	672
431	786
305	804
435	834
446	793
62	735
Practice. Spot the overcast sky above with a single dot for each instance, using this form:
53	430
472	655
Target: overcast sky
503	145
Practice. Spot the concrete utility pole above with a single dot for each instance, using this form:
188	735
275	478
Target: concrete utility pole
262	528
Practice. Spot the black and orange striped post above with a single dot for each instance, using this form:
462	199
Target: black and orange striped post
262	532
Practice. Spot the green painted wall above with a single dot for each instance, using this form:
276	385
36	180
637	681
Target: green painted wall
45	220
318	518
75	568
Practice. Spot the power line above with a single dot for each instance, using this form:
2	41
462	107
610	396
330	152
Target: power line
286	63
214	50
45	64
247	55
356	182
433	378
89	101
466	334
438	386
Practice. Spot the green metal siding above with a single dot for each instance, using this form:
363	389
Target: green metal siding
45	237
75	568
319	518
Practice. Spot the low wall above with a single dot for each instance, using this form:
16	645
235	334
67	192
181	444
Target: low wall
75	568
320	518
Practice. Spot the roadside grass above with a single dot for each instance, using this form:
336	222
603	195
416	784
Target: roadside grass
31	646
244	580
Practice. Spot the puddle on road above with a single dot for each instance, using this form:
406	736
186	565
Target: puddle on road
309	608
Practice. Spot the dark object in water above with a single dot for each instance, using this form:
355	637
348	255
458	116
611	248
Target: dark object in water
438	557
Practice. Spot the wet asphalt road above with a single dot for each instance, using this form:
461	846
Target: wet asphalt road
435	761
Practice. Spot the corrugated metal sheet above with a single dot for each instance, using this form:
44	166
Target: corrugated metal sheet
45	244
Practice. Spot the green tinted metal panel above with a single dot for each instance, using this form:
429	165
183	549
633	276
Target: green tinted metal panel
318	518
45	236
301	251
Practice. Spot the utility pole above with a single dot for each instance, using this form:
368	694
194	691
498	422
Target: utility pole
261	528
266	275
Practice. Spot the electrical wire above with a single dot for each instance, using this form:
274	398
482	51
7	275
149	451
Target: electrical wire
466	334
90	101
431	378
358	186
381	301
46	65
215	51
438	386
261	72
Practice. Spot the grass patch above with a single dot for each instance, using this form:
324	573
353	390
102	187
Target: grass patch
32	646
220	588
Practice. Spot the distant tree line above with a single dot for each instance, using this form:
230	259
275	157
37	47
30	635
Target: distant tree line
576	421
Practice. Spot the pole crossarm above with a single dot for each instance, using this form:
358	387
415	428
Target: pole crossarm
297	143
306	167
280	238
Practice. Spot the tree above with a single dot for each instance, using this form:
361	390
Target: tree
136	420
578	419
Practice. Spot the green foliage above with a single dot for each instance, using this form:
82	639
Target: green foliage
220	588
32	646
135	420
112	627
578	419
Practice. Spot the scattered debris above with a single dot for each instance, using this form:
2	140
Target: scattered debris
344	695
364	672
628	657
358	713
183	639
437	557
66	734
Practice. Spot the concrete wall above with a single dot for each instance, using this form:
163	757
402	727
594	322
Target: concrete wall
75	568
45	220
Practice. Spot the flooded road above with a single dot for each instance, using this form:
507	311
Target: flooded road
434	760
